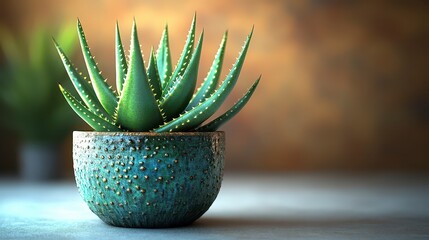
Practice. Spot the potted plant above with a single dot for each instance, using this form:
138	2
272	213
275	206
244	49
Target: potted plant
151	162
30	105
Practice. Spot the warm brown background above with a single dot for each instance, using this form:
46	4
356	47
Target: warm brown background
345	83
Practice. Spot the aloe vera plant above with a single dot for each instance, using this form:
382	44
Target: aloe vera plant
155	98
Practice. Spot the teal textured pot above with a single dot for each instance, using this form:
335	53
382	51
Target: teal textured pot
149	180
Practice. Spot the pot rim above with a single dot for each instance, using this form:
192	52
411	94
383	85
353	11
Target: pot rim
96	133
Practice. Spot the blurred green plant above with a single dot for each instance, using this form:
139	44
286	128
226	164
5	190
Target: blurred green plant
30	103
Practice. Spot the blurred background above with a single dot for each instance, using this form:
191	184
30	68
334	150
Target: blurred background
345	84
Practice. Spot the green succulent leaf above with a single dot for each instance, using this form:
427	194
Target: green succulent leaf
121	61
104	93
96	122
194	117
210	82
181	92
137	109
156	98
163	58
185	57
152	73
222	119
82	86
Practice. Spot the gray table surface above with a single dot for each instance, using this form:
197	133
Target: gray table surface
253	206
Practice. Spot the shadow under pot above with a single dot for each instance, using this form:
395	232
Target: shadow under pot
149	180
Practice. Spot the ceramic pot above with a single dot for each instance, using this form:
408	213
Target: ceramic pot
149	180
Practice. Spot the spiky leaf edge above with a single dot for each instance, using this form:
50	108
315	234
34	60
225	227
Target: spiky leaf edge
181	91
97	123
83	87
153	76
197	115
225	117
137	108
163	58
104	92
184	59
121	61
210	82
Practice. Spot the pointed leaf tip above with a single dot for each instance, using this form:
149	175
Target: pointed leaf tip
137	108
102	90
163	58
180	93
225	117
212	79
184	59
121	63
55	41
